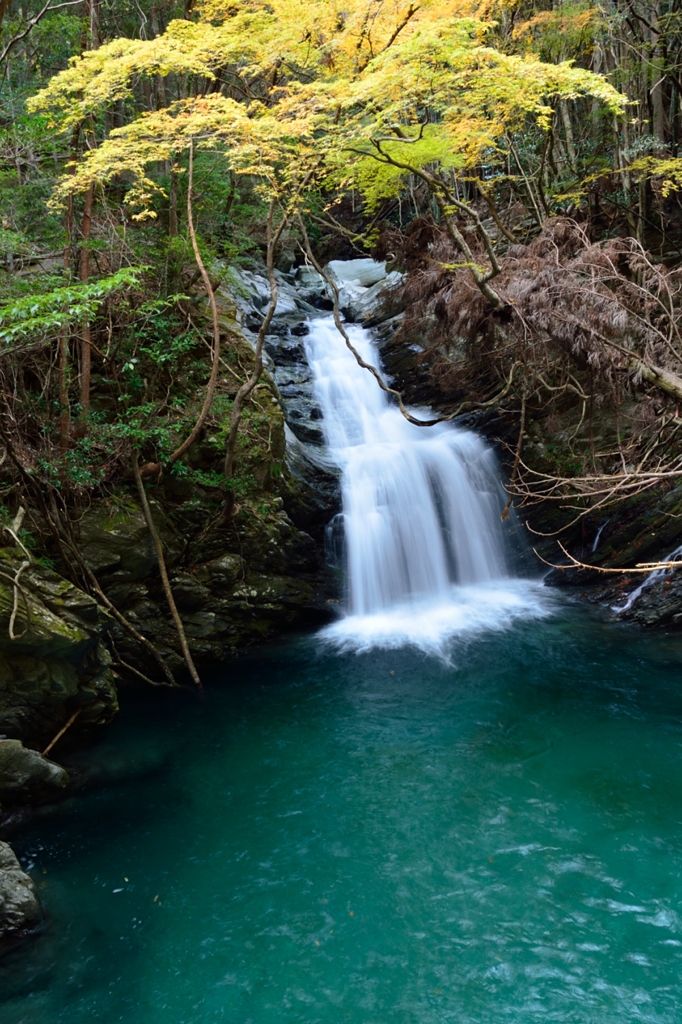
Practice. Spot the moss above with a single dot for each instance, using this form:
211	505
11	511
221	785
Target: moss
59	663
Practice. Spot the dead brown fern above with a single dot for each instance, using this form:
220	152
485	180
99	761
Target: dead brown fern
595	326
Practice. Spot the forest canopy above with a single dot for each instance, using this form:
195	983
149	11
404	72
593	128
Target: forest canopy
146	148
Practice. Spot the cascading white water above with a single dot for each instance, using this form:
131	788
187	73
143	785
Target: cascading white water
421	512
653	577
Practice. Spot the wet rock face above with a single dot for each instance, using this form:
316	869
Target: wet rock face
57	663
361	283
225	570
239	582
313	496
25	775
284	345
660	604
641	529
20	910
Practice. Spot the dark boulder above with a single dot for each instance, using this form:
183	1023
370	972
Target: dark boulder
20	910
25	775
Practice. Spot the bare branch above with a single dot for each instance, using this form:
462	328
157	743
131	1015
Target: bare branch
575	563
32	22
215	365
165	582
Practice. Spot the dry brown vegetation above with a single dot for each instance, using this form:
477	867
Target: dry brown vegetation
592	335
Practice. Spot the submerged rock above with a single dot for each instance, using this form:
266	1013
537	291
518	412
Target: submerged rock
20	910
27	775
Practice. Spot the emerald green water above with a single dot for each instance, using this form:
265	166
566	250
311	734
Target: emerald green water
377	839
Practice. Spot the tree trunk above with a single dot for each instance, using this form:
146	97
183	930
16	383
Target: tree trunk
247	387
64	410
165	582
568	129
658	81
215	364
86	347
172	202
92	14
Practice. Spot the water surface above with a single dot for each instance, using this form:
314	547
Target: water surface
377	838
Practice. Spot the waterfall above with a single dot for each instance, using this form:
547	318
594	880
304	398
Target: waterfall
424	544
653	577
601	529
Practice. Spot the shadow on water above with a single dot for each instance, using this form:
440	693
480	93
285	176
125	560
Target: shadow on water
380	838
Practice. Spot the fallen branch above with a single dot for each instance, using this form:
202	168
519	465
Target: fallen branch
647	567
111	607
136	672
136	635
61	732
665	380
67	547
331	283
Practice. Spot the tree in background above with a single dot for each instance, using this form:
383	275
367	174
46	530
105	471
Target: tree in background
479	120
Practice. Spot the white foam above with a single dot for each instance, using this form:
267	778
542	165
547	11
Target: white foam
435	626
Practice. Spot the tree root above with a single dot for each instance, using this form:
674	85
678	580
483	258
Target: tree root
18	590
165	582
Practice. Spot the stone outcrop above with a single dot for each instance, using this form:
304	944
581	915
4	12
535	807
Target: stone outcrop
27	776
314	497
115	540
311	490
239	583
57	663
234	582
20	910
362	284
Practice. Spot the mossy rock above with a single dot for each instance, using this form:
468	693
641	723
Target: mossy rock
114	538
57	663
